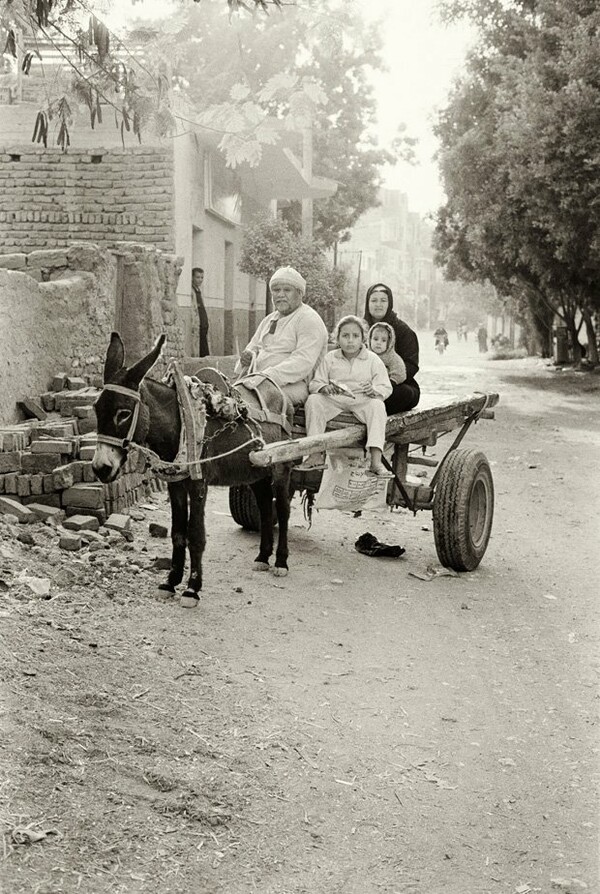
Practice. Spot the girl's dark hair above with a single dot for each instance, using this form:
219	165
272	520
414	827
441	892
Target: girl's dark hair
350	318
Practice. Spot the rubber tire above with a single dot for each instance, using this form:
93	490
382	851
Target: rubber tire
243	508
463	509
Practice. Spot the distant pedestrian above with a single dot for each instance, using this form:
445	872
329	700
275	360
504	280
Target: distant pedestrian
459	332
197	280
482	338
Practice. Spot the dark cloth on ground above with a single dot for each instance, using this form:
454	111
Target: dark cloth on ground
369	545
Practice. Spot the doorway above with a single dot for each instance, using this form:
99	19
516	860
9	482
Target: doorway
228	280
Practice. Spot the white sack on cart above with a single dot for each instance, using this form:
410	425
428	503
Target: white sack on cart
347	485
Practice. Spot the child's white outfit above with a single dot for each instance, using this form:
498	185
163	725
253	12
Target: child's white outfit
365	368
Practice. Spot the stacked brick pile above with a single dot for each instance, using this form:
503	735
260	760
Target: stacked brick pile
46	461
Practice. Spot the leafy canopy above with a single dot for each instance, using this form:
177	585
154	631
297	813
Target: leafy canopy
269	243
520	157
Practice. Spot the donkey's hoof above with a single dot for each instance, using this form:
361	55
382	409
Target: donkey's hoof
164	592
189	599
280	572
261	566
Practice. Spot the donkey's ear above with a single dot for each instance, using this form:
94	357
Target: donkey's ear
139	370
115	357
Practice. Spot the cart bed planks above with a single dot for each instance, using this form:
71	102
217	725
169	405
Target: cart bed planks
423	425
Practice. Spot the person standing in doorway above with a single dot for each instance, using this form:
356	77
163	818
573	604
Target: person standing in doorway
197	280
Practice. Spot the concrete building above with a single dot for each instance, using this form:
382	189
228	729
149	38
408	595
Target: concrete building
392	244
174	193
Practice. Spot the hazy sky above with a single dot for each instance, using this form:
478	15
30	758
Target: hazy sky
422	58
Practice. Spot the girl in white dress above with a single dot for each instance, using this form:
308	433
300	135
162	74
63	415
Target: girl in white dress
349	379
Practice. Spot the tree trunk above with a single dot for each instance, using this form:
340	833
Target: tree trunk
572	330
592	344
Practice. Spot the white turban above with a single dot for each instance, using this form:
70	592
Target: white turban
290	277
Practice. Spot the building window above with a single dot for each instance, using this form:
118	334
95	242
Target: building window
222	189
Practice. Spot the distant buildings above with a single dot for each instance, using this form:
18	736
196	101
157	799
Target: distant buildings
392	244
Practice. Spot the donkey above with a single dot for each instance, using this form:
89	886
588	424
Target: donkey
133	409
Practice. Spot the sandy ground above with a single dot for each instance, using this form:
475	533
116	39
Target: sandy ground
348	729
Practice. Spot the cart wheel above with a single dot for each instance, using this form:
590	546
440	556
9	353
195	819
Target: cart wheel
244	510
463	509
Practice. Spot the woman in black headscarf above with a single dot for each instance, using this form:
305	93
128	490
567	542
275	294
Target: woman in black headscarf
379	308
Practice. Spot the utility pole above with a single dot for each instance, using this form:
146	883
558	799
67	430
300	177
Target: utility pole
358	281
417	294
307	160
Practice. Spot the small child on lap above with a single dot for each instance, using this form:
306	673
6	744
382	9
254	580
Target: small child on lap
350	379
382	341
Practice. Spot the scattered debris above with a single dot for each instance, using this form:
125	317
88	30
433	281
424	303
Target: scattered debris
70	542
568	885
38	585
27	835
157	530
434	571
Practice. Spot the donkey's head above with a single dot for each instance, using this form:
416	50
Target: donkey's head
119	411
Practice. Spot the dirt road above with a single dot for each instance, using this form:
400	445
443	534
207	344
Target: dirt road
346	730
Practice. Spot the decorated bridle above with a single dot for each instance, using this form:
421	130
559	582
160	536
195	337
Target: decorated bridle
123	443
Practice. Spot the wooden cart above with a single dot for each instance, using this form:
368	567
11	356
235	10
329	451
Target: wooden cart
458	490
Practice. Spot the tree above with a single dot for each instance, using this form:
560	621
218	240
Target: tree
101	71
310	65
344	149
520	159
269	243
299	64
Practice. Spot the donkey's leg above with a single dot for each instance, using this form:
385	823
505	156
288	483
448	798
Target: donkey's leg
196	542
179	525
263	493
281	486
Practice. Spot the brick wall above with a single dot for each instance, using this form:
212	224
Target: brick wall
49	198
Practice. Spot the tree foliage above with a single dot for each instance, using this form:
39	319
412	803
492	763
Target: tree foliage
308	65
303	64
520	159
269	243
100	71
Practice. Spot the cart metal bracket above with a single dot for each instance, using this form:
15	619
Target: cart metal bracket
473	417
410	504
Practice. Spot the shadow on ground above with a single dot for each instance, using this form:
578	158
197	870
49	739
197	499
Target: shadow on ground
568	382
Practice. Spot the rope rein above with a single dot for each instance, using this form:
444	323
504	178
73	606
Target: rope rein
177	471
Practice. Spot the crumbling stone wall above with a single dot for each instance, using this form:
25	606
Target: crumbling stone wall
49	199
59	307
